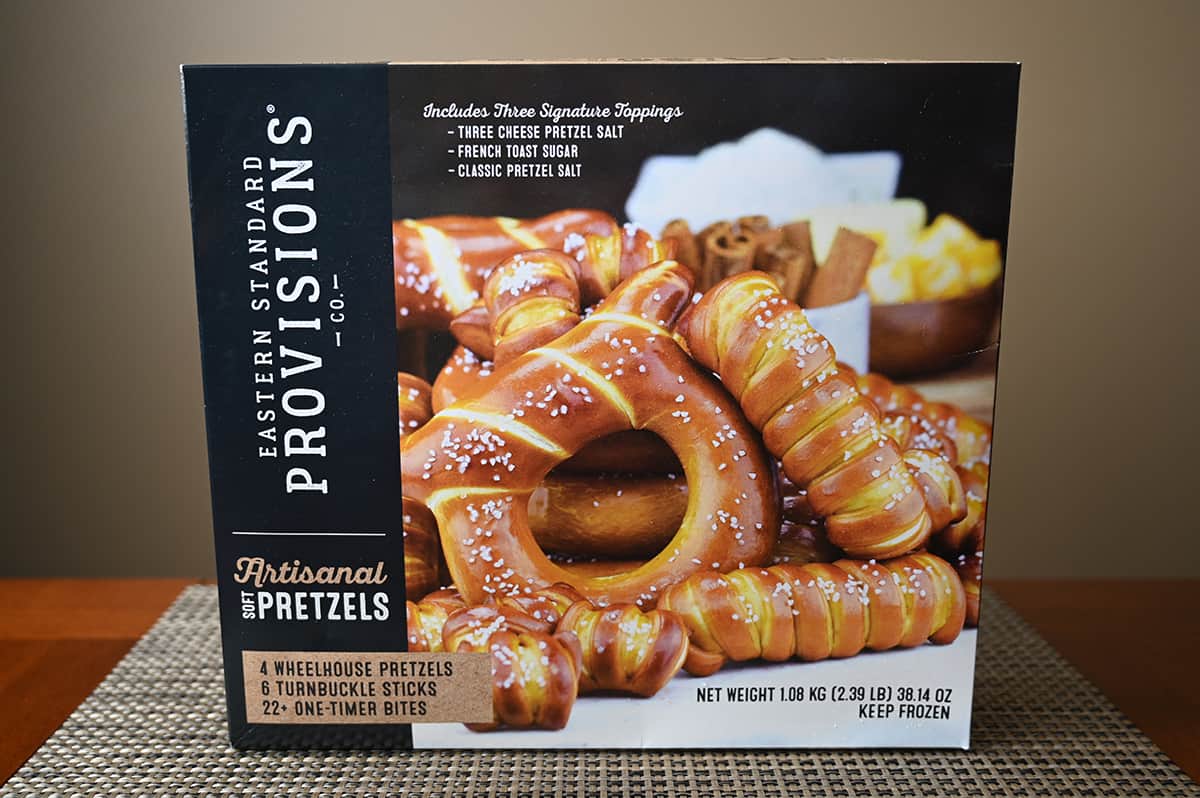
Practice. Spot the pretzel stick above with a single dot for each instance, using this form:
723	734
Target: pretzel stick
607	516
817	611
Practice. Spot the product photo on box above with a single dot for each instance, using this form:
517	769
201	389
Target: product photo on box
600	405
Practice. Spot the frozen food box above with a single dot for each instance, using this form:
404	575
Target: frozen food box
600	404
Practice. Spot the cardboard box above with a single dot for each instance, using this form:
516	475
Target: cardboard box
671	508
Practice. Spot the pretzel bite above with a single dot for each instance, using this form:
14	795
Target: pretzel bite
535	675
624	649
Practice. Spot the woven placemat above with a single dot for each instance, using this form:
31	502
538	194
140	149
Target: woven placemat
156	726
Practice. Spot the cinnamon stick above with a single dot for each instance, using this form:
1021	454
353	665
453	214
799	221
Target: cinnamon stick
790	267
753	224
687	251
843	273
730	253
709	276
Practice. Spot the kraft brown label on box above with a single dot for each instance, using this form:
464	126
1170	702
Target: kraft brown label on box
367	687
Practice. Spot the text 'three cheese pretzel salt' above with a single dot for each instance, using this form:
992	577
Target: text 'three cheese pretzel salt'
476	462
440	263
828	436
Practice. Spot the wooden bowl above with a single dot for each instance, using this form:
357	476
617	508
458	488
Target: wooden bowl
915	338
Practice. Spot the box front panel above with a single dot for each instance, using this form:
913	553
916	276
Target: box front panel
774	517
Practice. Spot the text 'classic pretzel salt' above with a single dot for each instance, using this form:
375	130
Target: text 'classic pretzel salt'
828	436
440	263
476	462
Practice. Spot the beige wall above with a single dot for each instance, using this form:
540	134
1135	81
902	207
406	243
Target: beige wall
1096	450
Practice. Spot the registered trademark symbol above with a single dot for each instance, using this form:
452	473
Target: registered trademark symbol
270	109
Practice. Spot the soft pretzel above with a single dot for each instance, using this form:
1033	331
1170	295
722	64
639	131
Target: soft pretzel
828	436
546	604
535	675
970	571
802	543
802	536
817	611
962	543
427	618
629	451
476	463
421	547
972	437
624	649
535	296
462	372
440	263
414	398
966	536
610	516
911	430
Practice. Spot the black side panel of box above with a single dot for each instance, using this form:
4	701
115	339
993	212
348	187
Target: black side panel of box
297	320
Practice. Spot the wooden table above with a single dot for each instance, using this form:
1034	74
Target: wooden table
1138	641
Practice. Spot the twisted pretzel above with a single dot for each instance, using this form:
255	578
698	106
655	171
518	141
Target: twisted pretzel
624	649
533	297
972	437
828	436
535	675
440	263
817	611
476	463
427	618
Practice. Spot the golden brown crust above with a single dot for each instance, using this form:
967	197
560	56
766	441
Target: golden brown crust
966	536
427	618
476	463
828	437
817	611
535	675
607	516
440	263
421	549
970	571
546	604
414	400
972	438
624	649
534	296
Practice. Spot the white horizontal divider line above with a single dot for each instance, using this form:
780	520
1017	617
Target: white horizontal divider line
312	534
